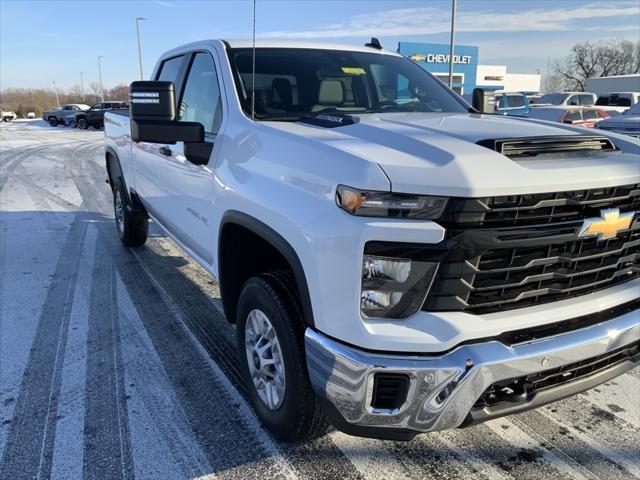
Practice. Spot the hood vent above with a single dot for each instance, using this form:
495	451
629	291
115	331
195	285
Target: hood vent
574	145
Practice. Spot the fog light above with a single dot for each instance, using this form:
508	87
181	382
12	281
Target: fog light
394	287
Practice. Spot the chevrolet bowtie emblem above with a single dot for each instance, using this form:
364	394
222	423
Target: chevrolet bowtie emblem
607	225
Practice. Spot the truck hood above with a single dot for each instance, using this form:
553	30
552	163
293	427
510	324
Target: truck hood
438	154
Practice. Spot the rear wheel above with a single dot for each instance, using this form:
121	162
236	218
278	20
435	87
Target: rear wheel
132	229
270	339
83	124
53	121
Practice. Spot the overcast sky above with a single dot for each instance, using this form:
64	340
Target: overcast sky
55	40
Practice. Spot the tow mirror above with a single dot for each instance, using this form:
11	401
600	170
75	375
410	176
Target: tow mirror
484	101
153	119
151	100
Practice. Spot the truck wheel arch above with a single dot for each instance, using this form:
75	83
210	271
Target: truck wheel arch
114	172
238	229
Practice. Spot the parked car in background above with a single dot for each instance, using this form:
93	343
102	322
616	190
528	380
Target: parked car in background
31	115
511	103
7	116
58	115
94	117
579	117
627	123
567	99
617	101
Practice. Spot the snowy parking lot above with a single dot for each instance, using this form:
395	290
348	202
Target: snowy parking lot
118	363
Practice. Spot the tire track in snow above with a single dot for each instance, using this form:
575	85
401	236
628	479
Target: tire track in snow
29	448
107	444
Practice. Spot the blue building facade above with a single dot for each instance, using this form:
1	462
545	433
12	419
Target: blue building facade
434	58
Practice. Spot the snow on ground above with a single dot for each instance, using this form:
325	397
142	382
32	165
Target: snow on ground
118	363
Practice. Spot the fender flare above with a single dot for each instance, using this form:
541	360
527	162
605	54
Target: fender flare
114	170
278	242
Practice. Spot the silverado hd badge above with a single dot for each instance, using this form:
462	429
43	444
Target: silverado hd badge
607	226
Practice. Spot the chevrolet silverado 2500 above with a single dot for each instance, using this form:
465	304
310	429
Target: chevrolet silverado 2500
394	261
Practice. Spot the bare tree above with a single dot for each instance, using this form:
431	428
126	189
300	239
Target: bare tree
586	60
95	88
37	100
119	92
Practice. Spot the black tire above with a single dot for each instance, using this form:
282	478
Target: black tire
83	124
299	416
53	121
132	229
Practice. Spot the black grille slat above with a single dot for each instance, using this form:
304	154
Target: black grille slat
506	264
540	208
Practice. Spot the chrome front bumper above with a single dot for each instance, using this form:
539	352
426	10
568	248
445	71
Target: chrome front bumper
443	389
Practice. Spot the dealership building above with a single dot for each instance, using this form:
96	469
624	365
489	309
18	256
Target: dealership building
467	72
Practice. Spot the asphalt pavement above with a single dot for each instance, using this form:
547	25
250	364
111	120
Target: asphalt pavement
118	363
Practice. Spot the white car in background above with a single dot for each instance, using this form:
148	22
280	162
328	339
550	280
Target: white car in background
617	101
31	115
566	99
7	116
628	123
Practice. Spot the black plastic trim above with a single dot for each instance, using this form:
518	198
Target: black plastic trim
281	245
550	395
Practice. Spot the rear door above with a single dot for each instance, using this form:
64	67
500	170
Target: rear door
184	199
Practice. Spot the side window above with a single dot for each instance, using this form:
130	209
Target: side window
586	100
573	100
170	69
590	115
201	100
97	106
573	116
516	101
624	102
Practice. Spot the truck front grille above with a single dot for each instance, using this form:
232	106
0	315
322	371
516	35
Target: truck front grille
498	266
523	389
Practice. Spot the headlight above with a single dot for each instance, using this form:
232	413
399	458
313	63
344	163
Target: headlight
386	204
394	287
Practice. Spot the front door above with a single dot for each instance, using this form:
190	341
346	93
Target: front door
178	193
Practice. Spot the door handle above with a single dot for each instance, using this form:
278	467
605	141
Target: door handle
165	151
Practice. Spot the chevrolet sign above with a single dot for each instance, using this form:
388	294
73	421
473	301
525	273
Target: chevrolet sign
440	58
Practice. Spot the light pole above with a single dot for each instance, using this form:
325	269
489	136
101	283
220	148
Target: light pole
138	19
100	74
82	85
453	30
55	90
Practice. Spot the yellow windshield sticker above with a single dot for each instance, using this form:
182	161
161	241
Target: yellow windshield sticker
354	70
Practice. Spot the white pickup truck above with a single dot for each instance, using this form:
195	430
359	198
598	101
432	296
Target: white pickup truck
394	261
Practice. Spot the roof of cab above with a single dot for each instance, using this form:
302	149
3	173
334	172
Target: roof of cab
268	43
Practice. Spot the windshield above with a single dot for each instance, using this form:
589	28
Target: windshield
291	83
551	98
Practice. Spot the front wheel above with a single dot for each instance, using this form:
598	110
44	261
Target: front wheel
270	339
132	229
83	124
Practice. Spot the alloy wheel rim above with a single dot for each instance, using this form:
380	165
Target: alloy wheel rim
264	358
119	211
